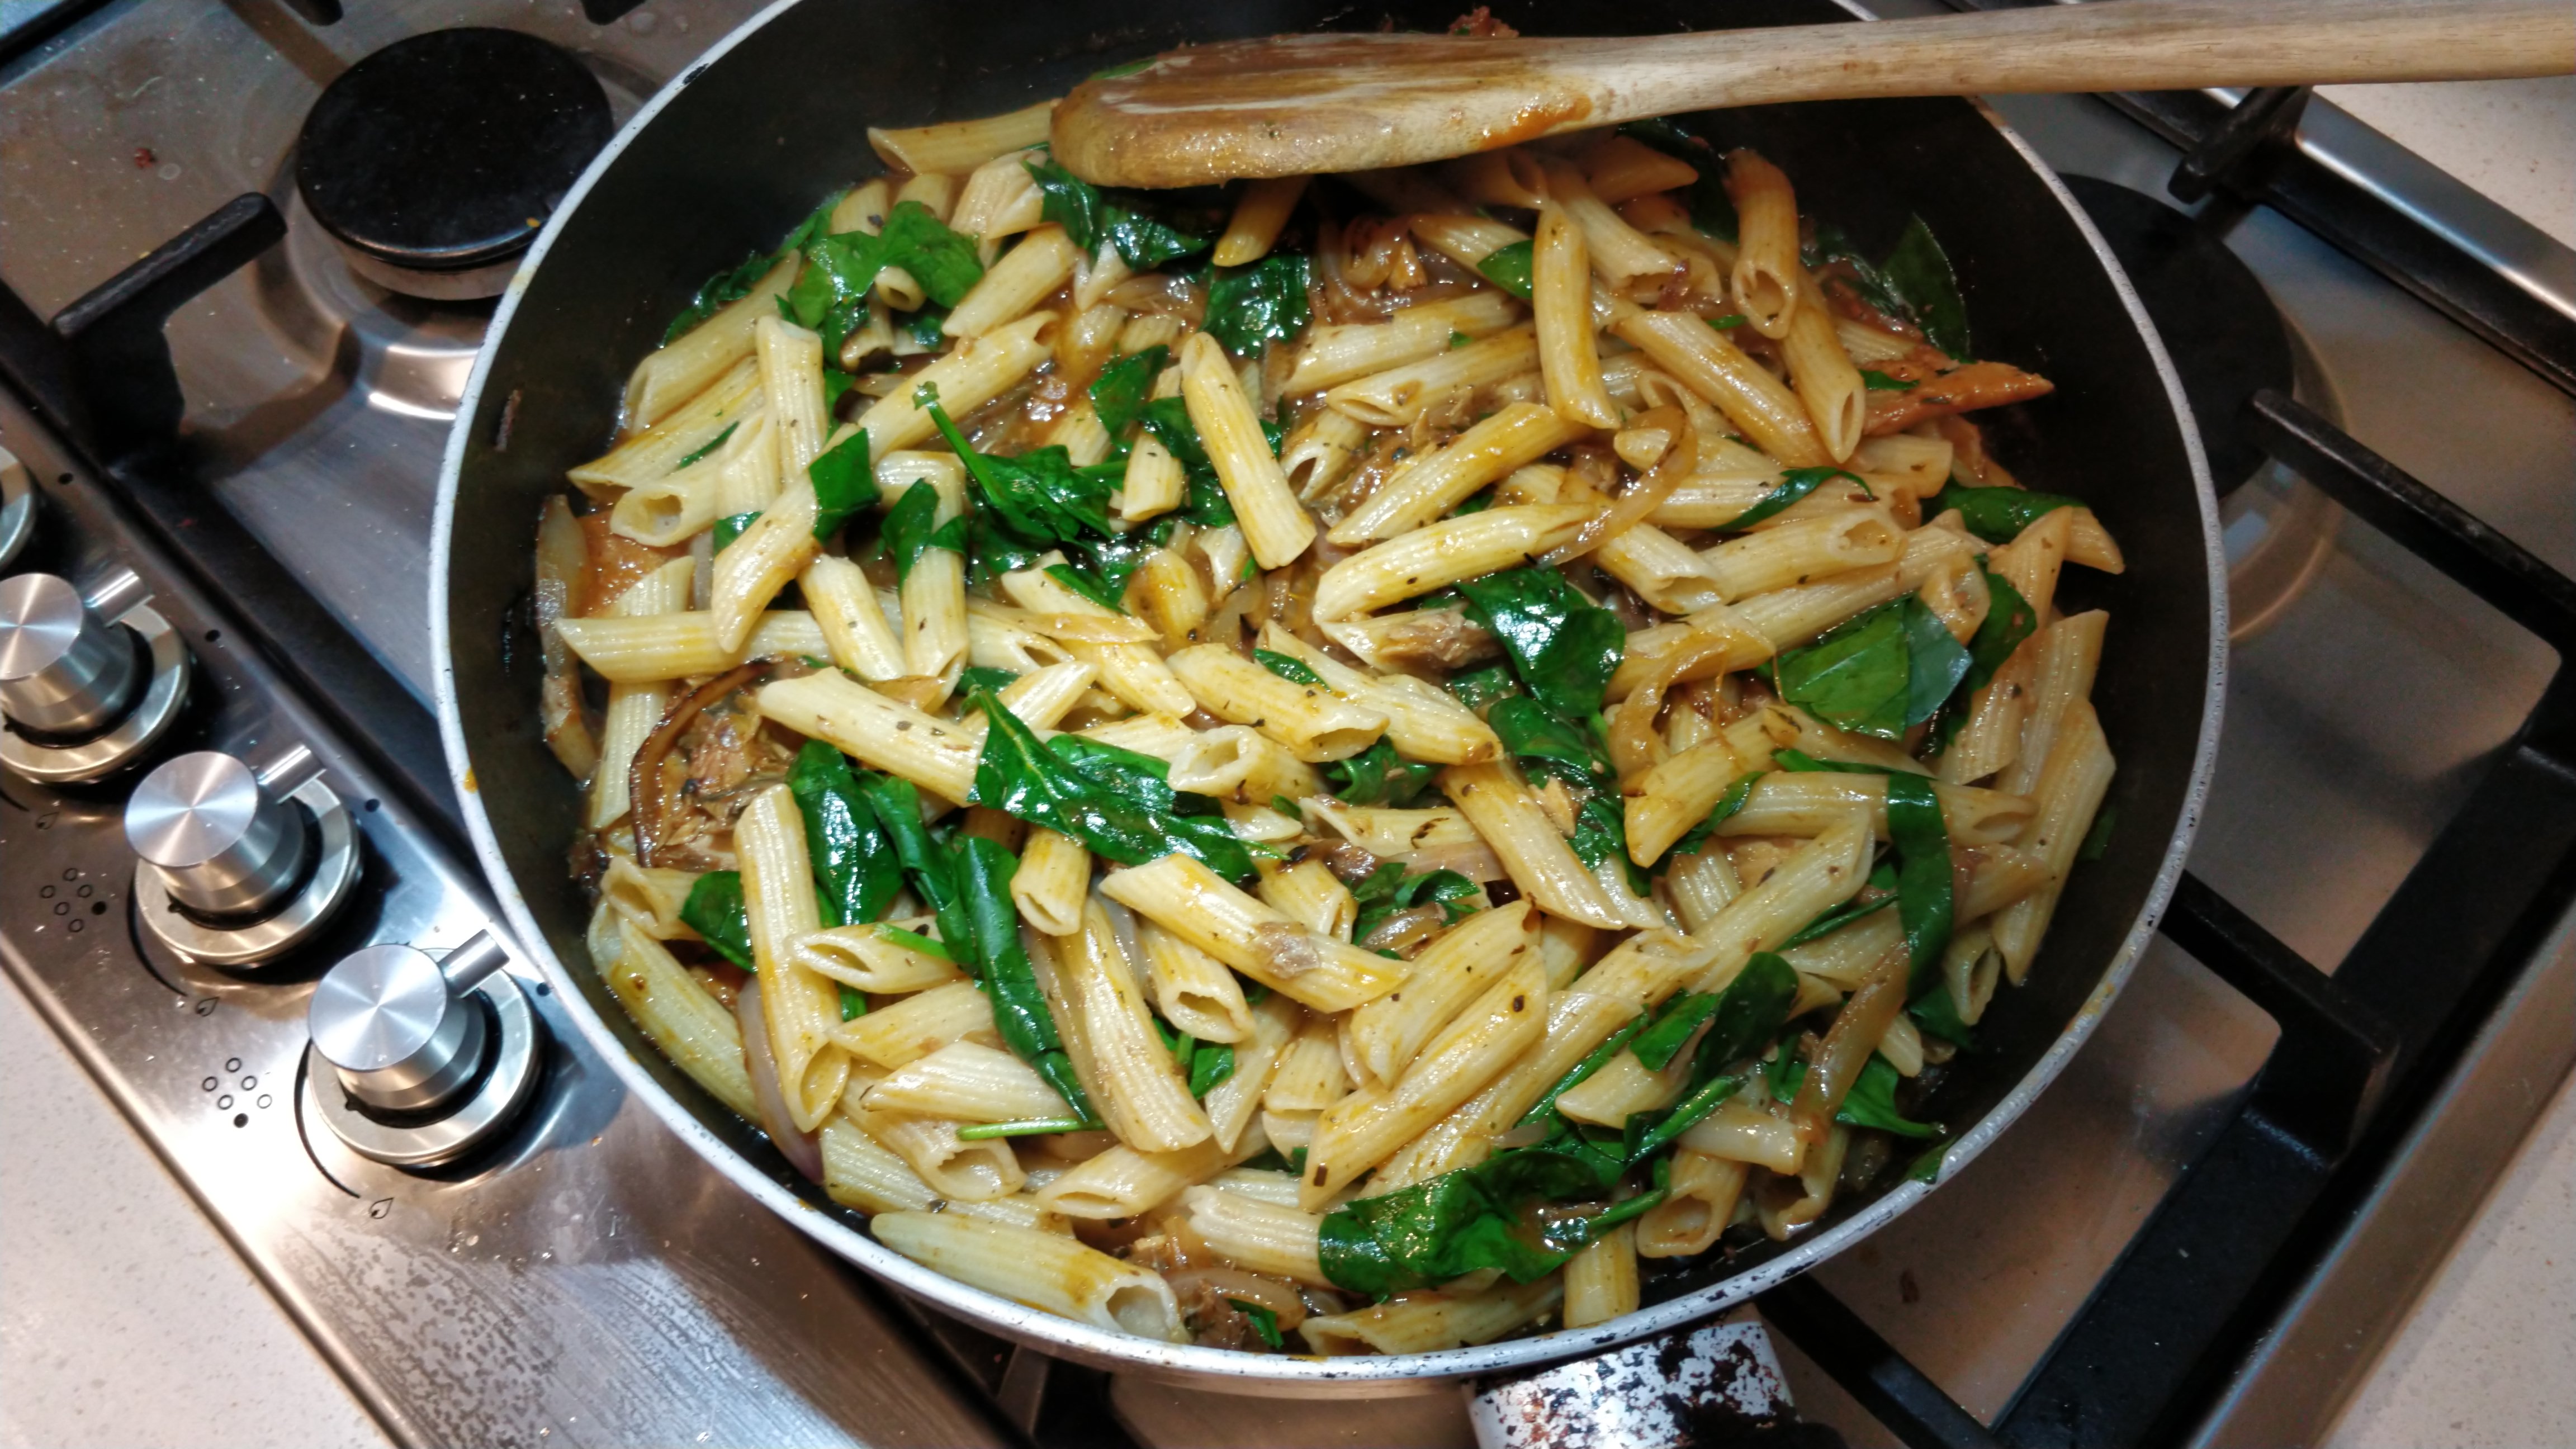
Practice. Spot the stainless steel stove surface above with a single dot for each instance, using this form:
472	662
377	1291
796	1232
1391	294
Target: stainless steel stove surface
594	1283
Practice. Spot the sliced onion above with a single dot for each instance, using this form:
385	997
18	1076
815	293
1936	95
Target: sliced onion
1848	1043
1405	927
800	1148
1643	496
1473	859
1279	1297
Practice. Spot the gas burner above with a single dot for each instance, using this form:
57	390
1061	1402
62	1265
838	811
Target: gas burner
434	161
2228	341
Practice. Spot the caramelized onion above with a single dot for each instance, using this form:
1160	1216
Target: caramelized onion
1848	1043
1405	928
1632	723
1274	1294
1643	496
563	562
800	1148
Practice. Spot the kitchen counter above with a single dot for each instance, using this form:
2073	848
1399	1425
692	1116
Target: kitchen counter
126	1320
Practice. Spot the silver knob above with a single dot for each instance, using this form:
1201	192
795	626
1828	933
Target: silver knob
223	845
63	670
396	1026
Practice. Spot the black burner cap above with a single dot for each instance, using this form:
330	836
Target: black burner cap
2220	327
447	151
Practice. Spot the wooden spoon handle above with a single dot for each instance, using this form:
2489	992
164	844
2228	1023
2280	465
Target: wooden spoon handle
1314	103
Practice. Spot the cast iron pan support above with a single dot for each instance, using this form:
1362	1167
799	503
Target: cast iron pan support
100	374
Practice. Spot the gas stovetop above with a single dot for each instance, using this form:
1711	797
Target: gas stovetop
582	1278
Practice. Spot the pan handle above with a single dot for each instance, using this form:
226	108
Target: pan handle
1709	1386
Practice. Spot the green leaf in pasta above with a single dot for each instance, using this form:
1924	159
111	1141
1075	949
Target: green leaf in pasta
699	453
1727	804
984	869
1871	1102
729	528
1264	1319
1112	813
1211	1065
1920	272
843	483
1287	666
714	910
1508	267
1997	515
927	865
1937	1013
1563	647
1877	381
912	529
1390	888
1711	209
1265	301
1795	483
1123	388
1876	895
1877	674
856	870
1380	776
1923	898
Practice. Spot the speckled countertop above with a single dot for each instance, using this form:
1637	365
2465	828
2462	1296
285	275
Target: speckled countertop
127	1321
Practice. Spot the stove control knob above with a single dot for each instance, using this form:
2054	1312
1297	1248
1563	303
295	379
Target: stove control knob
63	671
222	845
400	1030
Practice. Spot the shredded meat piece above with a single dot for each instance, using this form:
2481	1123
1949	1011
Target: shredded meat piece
1436	639
1347	861
1843	293
1287	949
1977	385
1480	23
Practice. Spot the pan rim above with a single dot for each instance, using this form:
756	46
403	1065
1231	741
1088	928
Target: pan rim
1225	1370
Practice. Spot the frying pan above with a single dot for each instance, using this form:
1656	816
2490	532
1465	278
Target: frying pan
729	156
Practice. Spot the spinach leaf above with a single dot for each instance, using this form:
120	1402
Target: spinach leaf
1265	1321
711	444
1019	1006
979	676
1795	483
1672	1026
1871	1102
1576	1234
853	1004
1147	229
1935	660
1727	804
1380	776
1123	388
1070	202
1830	243
1799	762
1389	889
842	481
719	292
911	529
1920	272
1508	267
1478	688
1881	880
1205	504
2009	620
1265	301
1563	648
1082	582
1711	209
1937	1013
730	527
2097	840
1428	1233
928	328
1548	747
1210	1064
1748	1015
1021	776
1923	898
1877	381
1147	241
831	292
915	941
1025	1127
1997	515
1582	1071
856	870
1287	666
1877	674
928	866
714	910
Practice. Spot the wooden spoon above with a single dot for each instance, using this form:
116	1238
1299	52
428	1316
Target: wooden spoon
1297	104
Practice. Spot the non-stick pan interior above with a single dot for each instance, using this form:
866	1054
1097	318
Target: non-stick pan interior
761	133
